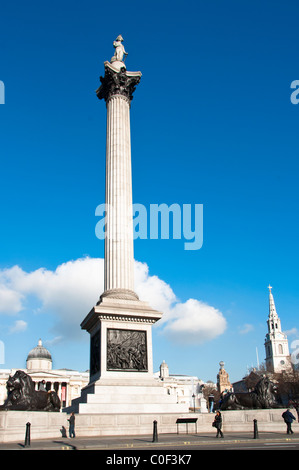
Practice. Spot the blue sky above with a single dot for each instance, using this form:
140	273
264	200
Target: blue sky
212	123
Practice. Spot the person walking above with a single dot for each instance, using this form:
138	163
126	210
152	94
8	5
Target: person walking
288	419
42	386
71	421
218	424
211	403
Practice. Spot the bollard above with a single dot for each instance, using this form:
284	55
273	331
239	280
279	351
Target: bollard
155	432
27	435
255	430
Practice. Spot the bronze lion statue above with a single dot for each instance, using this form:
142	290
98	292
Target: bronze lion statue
22	396
263	396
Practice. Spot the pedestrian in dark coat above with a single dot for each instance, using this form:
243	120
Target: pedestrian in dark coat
71	421
288	419
218	424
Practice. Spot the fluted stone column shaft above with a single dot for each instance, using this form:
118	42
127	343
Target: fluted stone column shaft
119	253
117	90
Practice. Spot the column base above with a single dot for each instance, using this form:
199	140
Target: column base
124	294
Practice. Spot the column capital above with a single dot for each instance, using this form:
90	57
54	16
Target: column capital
117	82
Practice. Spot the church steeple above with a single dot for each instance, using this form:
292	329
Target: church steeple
276	342
274	325
272	309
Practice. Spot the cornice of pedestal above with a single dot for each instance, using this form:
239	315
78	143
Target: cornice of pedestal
117	81
113	309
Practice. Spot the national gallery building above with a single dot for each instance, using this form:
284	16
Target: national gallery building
66	383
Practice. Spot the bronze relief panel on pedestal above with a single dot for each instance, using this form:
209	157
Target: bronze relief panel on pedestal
126	350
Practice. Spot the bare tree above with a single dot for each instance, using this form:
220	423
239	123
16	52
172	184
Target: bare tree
209	390
287	384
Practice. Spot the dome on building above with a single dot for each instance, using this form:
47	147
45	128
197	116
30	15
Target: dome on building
39	352
39	358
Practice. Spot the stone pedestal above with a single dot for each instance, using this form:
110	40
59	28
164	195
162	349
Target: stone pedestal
203	405
121	339
121	361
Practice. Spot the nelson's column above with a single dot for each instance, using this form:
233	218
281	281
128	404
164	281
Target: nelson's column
120	325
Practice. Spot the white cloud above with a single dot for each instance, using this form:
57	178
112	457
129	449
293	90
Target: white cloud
10	298
292	332
19	326
153	290
53	342
194	322
191	322
69	292
247	328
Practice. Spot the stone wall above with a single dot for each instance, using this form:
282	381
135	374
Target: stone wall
267	420
46	425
